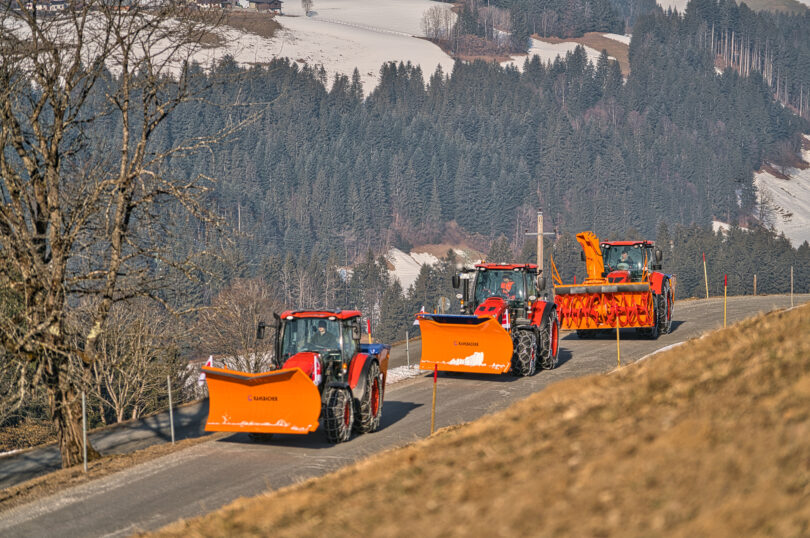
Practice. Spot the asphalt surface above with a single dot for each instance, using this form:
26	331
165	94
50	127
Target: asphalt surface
207	476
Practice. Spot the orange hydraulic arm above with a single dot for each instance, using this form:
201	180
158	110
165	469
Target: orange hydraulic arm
594	264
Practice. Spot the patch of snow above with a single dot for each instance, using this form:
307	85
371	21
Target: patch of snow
719	225
805	2
548	52
787	201
476	359
675	5
407	266
623	38
401	373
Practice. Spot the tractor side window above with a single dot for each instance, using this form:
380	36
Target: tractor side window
530	281
349	344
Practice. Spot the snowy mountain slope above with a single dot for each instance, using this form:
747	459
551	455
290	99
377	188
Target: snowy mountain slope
549	51
341	35
787	201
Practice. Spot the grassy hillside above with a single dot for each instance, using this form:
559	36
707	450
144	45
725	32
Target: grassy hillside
711	438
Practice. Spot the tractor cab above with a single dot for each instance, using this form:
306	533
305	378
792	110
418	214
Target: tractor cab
331	338
628	261
514	286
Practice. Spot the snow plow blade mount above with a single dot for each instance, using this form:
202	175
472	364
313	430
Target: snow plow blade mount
464	344
279	401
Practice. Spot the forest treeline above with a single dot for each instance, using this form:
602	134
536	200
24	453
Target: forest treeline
324	170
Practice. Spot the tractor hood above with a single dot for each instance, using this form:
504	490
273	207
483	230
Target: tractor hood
493	307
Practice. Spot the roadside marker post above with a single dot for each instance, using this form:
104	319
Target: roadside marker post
408	349
755	284
618	349
433	406
84	431
791	286
725	298
705	275
171	411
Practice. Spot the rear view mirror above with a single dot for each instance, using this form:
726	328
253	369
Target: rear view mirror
582	255
541	283
456	281
356	331
260	330
658	255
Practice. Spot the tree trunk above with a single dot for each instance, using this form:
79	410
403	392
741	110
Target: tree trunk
66	409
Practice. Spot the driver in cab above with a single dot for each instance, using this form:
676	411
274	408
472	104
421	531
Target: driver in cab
324	338
507	288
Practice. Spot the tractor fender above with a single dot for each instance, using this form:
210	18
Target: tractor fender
358	374
540	313
657	281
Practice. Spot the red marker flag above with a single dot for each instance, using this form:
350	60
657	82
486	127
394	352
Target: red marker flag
725	281
368	326
704	257
435	372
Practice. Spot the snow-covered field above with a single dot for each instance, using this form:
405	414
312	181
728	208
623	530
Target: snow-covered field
342	35
788	201
676	5
407	266
548	52
624	38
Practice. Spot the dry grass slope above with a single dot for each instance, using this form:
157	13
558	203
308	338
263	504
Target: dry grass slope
709	439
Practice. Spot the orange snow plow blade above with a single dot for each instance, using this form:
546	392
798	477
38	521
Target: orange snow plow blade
279	401
464	344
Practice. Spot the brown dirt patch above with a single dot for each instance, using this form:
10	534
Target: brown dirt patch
598	41
711	438
261	24
42	486
26	434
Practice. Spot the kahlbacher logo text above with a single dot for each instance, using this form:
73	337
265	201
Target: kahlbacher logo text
461	343
262	398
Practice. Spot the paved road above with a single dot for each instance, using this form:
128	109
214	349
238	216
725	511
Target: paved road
204	477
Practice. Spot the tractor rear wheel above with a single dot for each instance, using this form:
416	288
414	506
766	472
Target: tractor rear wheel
524	361
369	408
339	416
664	304
549	345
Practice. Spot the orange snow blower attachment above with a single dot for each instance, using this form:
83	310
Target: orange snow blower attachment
279	401
620	288
464	344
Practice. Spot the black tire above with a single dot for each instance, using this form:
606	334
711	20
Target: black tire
665	304
524	359
549	343
369	408
339	415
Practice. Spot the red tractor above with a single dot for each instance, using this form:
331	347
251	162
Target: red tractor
504	325
322	371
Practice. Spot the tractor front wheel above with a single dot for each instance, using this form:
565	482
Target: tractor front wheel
524	361
339	416
550	342
369	408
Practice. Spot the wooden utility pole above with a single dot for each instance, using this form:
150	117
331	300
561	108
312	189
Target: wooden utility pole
539	242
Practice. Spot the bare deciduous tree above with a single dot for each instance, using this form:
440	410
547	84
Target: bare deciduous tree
79	214
228	328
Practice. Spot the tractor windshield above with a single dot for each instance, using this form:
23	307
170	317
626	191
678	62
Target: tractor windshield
309	334
499	283
623	258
